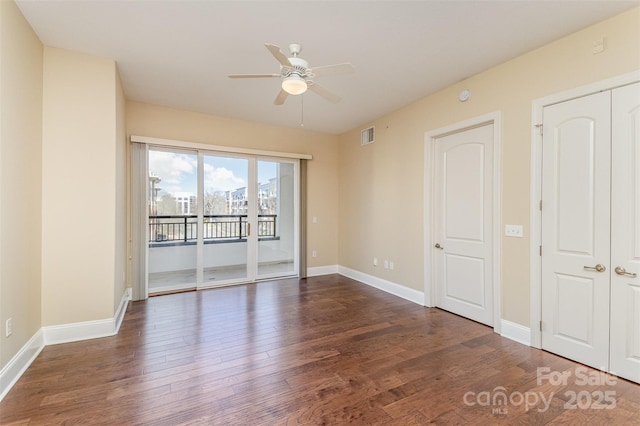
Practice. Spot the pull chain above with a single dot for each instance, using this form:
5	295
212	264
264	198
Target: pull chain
301	110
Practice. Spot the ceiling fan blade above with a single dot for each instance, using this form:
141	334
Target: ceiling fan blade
325	93
336	69
282	96
277	53
253	75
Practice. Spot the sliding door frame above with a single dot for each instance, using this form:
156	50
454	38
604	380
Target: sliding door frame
296	215
253	156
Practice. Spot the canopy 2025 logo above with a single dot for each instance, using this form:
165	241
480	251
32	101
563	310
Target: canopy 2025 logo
588	398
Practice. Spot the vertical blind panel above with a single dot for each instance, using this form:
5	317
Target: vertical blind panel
139	217
303	219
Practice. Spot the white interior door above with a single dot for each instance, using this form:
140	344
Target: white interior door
576	229
625	233
463	223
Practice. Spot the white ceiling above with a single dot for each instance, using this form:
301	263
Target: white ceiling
179	53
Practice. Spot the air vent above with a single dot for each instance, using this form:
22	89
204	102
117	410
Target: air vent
367	136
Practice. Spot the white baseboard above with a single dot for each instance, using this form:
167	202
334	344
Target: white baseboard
65	333
505	328
14	369
407	293
52	335
85	330
515	332
322	270
122	307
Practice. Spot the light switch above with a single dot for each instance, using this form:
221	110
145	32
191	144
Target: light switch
513	231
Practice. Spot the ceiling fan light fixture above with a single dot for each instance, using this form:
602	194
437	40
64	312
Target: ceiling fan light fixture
294	85
296	76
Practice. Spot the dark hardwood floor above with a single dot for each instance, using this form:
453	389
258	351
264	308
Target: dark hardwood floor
324	350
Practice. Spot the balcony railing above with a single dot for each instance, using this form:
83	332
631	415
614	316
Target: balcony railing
217	227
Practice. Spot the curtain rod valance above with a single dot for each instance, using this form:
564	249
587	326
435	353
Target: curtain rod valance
219	148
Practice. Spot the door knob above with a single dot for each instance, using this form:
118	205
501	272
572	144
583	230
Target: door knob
621	271
599	268
438	246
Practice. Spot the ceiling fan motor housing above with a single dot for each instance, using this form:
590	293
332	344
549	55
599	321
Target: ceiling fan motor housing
298	66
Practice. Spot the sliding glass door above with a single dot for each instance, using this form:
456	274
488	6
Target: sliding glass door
172	230
225	219
277	219
217	219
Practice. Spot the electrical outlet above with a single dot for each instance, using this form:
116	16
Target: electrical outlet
375	261
8	327
386	264
390	265
314	254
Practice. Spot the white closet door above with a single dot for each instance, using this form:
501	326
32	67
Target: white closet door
576	229
625	233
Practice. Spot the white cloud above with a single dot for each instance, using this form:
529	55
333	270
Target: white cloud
177	171
221	179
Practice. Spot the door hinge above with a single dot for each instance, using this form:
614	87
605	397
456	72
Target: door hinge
540	325
540	250
540	205
539	126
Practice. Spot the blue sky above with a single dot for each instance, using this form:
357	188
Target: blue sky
178	171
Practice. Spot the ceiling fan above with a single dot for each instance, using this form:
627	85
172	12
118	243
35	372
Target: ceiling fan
296	75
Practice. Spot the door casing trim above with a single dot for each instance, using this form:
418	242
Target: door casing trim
494	118
535	216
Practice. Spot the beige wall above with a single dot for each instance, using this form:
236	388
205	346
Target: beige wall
167	123
20	179
80	187
381	185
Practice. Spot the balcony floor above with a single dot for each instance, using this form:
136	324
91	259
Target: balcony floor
162	282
